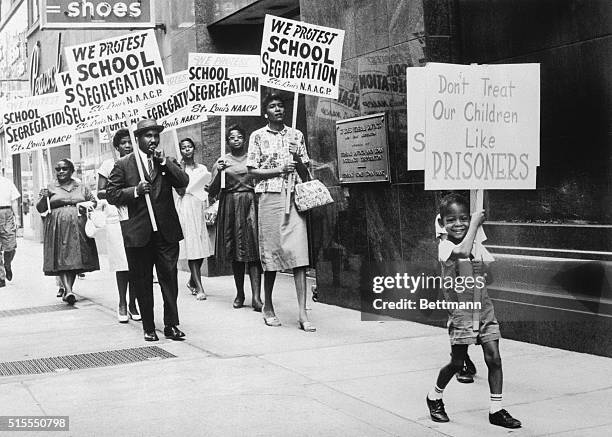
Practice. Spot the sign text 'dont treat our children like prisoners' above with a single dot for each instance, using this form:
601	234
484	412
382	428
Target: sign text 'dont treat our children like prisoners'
482	126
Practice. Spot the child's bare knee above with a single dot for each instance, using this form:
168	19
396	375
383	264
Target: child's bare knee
493	361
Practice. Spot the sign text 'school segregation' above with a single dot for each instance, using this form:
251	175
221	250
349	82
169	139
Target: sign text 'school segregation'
174	112
84	123
482	126
223	84
300	57
37	122
122	72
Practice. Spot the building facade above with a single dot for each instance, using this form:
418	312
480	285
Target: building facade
553	245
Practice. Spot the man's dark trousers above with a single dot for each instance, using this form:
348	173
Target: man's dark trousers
164	256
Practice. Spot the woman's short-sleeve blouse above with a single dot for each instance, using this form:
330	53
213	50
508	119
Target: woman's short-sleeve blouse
269	149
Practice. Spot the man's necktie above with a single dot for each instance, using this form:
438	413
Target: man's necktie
150	161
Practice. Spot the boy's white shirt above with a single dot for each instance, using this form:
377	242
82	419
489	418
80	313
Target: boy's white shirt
445	248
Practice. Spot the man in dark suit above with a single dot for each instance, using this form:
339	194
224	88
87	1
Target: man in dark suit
145	248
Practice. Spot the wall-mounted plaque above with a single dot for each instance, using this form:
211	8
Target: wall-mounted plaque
363	149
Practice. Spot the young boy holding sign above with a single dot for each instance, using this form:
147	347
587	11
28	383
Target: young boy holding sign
456	255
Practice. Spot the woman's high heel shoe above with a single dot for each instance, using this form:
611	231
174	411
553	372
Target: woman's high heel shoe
122	315
306	326
60	292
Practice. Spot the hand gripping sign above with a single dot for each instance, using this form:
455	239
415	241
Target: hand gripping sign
301	57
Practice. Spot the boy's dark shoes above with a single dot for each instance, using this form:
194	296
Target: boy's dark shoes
469	366
464	376
436	410
503	418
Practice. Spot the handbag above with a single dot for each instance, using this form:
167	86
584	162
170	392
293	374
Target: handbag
311	194
210	214
96	221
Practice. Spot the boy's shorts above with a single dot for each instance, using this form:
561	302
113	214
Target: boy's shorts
460	323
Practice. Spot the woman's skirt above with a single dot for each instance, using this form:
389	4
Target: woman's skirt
196	243
237	227
66	246
283	238
117	260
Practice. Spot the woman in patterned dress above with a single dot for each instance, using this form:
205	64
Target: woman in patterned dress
275	152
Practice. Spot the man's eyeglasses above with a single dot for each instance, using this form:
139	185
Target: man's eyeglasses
62	168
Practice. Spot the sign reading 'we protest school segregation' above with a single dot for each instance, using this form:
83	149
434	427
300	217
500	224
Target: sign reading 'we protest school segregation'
301	57
223	84
115	73
482	126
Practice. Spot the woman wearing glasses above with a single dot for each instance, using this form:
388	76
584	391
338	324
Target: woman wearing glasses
237	217
67	249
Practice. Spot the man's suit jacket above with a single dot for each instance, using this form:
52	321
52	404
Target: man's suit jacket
137	229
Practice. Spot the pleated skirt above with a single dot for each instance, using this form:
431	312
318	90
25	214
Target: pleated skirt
237	238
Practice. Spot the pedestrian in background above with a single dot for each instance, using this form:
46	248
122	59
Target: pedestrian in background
191	204
237	239
275	152
9	221
117	260
67	251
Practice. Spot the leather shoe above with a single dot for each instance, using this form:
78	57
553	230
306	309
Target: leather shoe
2	284
151	336
436	410
503	418
173	332
9	272
238	302
464	375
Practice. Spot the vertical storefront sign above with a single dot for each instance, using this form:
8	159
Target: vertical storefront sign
482	126
224	84
301	57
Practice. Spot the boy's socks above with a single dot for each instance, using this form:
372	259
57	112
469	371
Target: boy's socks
435	393
496	403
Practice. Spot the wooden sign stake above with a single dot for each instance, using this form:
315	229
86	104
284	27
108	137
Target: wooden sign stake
141	174
291	178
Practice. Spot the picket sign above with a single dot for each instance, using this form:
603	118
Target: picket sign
45	177
223	149
131	130
291	179
177	148
476	204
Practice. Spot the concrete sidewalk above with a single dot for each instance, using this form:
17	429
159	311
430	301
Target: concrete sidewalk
235	376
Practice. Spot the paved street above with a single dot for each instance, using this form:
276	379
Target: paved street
235	376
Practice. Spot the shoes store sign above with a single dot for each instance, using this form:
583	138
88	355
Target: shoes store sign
97	14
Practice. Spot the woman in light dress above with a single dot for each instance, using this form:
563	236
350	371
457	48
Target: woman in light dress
190	205
114	238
